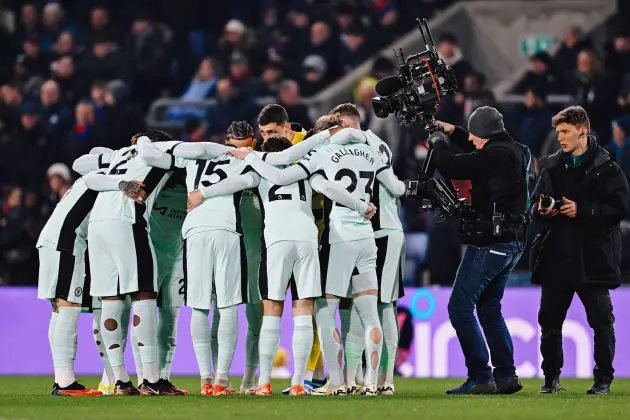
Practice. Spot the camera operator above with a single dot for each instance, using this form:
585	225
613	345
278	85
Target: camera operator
497	167
576	244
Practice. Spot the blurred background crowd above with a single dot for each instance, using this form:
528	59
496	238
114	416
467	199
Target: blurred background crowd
82	73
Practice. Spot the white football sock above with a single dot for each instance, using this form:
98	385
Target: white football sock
389	322
227	335
200	333
301	346
353	339
325	312
167	339
253	311
65	343
214	337
145	327
112	337
269	341
51	332
137	359
367	308
108	374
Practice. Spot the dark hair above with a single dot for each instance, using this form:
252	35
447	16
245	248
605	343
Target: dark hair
240	130
276	144
573	115
273	113
346	110
155	135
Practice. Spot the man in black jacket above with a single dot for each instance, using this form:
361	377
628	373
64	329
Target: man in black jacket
497	167
576	246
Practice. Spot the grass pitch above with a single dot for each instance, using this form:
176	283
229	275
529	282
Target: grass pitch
29	398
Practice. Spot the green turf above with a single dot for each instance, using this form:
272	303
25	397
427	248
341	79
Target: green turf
27	398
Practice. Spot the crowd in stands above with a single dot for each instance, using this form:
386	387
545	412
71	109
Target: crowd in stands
82	73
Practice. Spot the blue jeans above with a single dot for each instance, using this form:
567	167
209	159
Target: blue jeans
480	282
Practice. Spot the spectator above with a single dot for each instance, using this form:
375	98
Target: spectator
388	26
539	74
98	92
617	56
10	108
56	116
147	47
382	67
122	118
53	25
271	77
231	106
535	120
104	61
29	25
85	134
298	32
573	42
194	130
345	16
202	86
234	39
269	32
100	27
386	128
355	48
65	75
315	75
25	152
451	54
33	62
620	144
593	92
323	44
289	98
58	183
241	76
66	46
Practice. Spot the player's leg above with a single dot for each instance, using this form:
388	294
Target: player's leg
214	331
389	269
306	288
336	268
106	385
365	297
352	337
230	276
171	297
198	266
47	287
274	274
252	230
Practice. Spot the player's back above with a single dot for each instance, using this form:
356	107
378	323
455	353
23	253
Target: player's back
386	216
287	212
220	212
69	220
355	166
126	165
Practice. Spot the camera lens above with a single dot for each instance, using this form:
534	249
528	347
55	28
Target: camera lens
382	107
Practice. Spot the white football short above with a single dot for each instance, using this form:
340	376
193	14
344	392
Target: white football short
285	259
215	260
341	261
122	259
171	281
61	276
390	264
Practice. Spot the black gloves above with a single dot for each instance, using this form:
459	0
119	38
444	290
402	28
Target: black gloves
438	139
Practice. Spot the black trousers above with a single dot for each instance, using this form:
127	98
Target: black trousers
554	304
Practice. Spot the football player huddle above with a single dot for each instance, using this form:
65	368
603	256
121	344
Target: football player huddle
211	226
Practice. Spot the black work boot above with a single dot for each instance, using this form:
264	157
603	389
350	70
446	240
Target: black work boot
601	386
510	385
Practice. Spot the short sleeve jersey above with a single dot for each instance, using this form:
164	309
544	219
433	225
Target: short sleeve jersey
216	213
355	166
128	166
386	216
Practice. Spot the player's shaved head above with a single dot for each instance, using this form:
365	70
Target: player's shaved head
276	144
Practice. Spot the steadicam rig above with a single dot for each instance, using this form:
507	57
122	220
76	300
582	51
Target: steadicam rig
423	80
